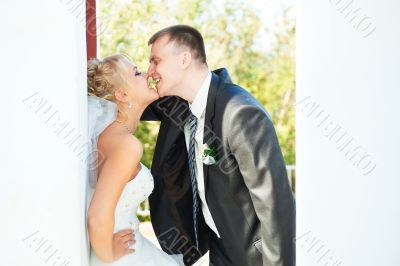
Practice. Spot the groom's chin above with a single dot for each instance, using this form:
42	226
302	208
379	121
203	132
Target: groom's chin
160	92
155	96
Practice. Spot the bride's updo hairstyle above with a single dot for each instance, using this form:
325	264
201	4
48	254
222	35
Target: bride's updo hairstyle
105	76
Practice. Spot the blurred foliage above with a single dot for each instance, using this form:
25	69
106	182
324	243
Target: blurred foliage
230	32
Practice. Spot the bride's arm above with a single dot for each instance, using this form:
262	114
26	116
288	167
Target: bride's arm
119	167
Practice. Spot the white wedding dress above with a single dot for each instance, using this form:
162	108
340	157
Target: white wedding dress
146	253
101	114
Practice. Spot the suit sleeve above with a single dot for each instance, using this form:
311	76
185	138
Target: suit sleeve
152	112
254	144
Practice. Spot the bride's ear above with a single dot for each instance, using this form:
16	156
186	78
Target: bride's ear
121	95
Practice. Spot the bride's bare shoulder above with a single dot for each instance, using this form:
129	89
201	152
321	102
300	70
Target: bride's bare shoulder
115	141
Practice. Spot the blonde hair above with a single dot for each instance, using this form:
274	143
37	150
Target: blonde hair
105	76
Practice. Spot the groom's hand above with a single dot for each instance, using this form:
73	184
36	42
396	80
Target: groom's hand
123	242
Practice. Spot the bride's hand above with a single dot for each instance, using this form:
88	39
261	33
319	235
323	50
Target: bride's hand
122	243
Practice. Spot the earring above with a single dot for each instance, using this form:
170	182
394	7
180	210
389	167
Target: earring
129	105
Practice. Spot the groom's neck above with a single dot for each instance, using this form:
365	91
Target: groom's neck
192	83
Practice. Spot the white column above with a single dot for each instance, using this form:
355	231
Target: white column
348	63
43	130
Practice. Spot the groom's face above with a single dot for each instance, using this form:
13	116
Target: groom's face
165	66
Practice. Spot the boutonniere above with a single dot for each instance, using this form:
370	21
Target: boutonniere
209	154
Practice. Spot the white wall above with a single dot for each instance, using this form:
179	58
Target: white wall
43	61
348	73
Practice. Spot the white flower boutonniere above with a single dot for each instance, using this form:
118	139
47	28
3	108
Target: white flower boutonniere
209	155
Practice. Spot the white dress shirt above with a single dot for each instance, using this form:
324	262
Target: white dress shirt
198	109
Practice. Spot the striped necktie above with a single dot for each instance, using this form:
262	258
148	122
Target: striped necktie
192	169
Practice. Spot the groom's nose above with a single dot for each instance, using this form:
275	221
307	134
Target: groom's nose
150	71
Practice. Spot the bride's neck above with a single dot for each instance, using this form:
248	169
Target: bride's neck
132	117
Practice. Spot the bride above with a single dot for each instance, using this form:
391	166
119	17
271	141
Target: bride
118	95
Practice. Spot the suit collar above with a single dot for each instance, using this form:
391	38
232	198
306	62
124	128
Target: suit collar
212	92
218	77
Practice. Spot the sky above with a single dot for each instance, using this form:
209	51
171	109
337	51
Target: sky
270	10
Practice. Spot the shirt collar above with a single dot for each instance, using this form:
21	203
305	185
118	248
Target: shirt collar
199	103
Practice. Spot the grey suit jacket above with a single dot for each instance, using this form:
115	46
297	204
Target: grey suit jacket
247	191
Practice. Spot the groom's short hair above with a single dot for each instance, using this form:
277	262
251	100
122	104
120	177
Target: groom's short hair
183	35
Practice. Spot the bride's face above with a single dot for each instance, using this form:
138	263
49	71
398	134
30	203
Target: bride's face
138	86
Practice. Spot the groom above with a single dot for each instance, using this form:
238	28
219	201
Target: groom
220	179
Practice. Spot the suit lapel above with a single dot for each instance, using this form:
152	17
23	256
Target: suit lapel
208	125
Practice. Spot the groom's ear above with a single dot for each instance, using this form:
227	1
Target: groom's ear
186	59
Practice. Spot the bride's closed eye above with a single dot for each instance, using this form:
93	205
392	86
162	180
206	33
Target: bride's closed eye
137	72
